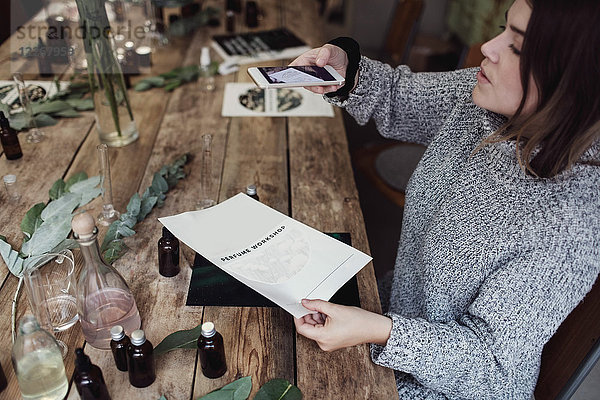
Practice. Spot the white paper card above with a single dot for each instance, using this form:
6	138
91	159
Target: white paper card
279	257
247	100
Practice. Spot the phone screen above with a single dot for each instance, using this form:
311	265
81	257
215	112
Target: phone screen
296	74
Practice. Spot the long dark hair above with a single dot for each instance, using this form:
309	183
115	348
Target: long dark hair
561	51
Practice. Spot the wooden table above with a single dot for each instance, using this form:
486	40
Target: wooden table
301	167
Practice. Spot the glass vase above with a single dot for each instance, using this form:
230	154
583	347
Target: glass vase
114	118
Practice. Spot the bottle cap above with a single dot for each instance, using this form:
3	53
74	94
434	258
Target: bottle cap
83	225
167	233
208	329
205	57
129	45
9	178
251	190
117	333
138	337
82	361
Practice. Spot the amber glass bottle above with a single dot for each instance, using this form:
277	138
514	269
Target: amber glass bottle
9	139
119	344
168	254
140	360
212	351
3	382
88	378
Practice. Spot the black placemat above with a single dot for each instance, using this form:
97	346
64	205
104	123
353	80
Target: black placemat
211	286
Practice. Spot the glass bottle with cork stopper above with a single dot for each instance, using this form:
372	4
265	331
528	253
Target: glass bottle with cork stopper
88	378
140	360
119	344
103	297
9	139
168	254
212	352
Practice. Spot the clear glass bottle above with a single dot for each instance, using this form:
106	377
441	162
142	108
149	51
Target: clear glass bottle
37	360
103	297
251	191
12	189
119	345
206	179
207	78
88	378
168	254
212	351
140	360
9	139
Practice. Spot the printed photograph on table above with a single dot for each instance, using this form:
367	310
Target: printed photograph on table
246	100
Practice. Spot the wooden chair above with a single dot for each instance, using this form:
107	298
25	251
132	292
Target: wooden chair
402	30
573	350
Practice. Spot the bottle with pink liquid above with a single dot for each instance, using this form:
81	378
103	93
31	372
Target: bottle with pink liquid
103	297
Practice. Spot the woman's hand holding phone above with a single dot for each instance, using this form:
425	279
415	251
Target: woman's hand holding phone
326	55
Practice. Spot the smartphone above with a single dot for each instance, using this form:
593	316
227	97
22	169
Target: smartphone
297	76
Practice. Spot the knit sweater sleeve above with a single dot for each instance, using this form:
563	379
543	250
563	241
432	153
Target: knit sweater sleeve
493	349
404	105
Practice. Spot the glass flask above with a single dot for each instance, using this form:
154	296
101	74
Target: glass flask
103	297
37	360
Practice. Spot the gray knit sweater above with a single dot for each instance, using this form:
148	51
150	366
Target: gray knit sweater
490	260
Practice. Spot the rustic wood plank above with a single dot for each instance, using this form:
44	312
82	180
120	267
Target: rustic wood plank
258	340
161	300
324	196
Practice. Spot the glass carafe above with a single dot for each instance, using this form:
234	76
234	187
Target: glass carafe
37	360
103	297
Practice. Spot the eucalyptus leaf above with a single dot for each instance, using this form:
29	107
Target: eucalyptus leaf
278	389
50	107
162	397
87	188
49	235
81	104
32	220
142	86
57	189
110	235
133	207
172	85
125	231
80	176
85	184
65	205
146	207
236	390
67	114
45	120
11	259
115	250
185	339
159	184
19	121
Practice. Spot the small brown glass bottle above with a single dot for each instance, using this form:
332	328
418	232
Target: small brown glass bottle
9	139
212	352
251	191
119	344
168	254
88	378
3	382
140	360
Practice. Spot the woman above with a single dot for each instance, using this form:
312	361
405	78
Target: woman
501	230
